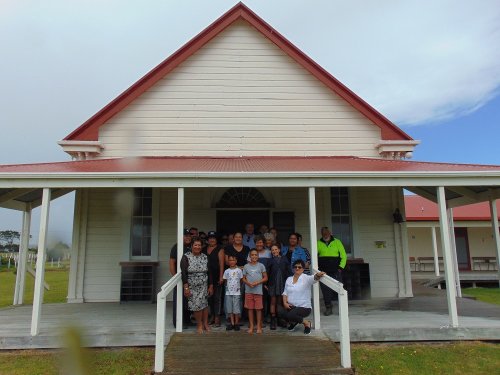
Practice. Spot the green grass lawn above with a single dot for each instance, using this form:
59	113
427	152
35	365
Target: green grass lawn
457	358
57	278
490	295
98	361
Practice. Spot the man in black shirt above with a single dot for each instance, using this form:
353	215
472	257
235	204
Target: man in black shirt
173	270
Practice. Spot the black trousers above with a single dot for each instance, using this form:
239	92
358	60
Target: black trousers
330	295
294	315
186	317
215	300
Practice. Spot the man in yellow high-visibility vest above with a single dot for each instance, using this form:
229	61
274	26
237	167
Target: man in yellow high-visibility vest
332	260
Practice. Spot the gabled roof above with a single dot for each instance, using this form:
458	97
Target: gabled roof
88	131
421	209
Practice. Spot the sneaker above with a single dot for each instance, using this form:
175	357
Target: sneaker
230	327
307	330
328	311
236	327
292	326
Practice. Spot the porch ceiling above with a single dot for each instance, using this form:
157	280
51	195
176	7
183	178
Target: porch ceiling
464	183
22	199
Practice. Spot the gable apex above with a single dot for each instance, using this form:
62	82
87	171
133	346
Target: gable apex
89	130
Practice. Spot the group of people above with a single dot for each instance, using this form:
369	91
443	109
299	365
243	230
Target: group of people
255	271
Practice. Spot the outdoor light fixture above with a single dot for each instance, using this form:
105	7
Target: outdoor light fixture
398	218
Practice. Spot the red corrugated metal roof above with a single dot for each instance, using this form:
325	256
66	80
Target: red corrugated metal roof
421	209
243	164
88	131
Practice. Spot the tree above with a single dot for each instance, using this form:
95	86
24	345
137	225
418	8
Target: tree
7	238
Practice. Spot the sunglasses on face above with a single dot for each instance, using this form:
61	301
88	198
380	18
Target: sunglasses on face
297	267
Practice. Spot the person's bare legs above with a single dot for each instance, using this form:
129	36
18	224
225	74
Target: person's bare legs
198	316
250	321
205	319
232	317
259	320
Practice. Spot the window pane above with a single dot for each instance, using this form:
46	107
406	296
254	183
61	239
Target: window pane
137	227
137	207
146	246
142	222
341	216
335	205
146	226
136	246
147	207
344	205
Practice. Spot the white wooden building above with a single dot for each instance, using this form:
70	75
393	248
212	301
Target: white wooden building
237	120
474	238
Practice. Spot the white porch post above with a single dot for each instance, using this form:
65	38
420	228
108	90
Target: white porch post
448	264
496	235
435	251
314	255
23	258
40	263
454	251
75	245
180	252
408	292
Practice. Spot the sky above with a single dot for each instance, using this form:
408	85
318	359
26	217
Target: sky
431	67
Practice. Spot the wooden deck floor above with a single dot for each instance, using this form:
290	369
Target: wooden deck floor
235	354
423	317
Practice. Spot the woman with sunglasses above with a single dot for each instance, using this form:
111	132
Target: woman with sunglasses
297	297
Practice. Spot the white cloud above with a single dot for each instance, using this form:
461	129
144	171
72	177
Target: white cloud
416	61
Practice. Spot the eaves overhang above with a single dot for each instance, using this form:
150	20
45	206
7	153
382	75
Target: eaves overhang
221	179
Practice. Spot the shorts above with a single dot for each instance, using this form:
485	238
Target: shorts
232	304
253	301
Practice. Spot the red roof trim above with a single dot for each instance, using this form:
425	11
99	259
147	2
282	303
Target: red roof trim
88	131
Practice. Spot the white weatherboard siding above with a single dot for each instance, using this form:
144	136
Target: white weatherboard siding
107	220
239	95
104	242
375	223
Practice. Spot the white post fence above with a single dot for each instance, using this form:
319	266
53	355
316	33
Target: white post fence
161	307
345	338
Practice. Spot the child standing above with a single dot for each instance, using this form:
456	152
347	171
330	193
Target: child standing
254	275
279	270
233	276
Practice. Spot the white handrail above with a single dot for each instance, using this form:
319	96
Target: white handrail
161	307
345	338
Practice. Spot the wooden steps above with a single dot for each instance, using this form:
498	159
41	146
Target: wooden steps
239	353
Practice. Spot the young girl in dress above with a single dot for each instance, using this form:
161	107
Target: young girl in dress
279	270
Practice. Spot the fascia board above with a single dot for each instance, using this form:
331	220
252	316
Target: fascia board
245	179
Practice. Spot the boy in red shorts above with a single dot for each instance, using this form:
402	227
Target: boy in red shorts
254	275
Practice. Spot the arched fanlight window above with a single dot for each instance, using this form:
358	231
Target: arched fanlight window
242	197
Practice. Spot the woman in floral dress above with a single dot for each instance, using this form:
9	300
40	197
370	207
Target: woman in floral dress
197	282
